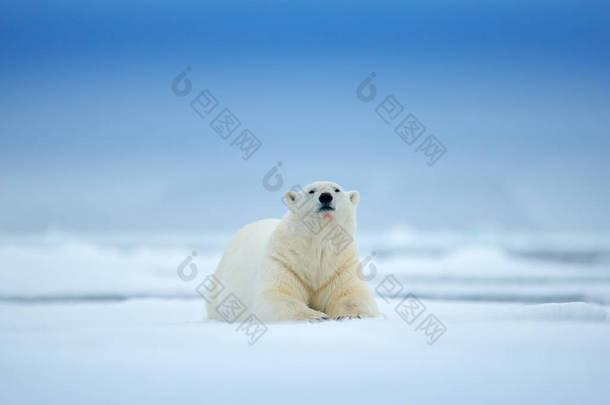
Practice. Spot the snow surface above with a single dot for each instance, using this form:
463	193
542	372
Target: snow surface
106	319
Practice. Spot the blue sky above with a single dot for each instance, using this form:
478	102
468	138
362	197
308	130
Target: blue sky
93	138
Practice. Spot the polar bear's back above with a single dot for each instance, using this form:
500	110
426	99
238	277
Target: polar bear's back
241	262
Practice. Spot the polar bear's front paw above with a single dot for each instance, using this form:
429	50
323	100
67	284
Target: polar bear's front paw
321	319
312	316
340	318
353	308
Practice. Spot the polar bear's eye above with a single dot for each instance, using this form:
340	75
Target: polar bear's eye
337	190
311	191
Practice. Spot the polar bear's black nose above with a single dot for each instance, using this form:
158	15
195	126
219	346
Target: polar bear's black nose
325	198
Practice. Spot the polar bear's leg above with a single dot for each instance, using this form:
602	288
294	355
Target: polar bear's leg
285	295
276	305
351	298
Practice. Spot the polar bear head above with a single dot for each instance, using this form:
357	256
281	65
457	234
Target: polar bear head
323	201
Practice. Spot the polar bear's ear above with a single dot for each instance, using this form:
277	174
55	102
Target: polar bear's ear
354	197
290	197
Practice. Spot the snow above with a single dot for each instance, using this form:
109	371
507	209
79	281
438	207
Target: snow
106	319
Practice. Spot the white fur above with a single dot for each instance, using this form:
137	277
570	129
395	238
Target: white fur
282	270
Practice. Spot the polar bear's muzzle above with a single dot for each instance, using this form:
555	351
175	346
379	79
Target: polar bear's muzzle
325	202
325	207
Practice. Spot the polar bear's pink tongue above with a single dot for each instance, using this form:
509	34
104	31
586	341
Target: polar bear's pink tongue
327	216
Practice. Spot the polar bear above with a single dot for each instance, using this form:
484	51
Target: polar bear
302	267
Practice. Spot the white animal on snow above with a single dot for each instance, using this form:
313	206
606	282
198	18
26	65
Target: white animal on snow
302	267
